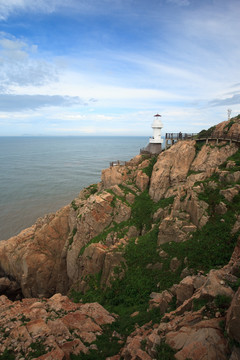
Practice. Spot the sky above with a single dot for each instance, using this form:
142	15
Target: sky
106	67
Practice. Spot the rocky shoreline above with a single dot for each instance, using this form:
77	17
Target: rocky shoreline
177	215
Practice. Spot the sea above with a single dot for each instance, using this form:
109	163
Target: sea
39	175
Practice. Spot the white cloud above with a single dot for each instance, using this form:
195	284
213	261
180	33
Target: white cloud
18	66
12	102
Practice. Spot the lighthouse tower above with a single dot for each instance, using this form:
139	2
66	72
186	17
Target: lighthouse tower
157	126
155	142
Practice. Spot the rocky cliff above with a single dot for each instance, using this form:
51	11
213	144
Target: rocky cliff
156	242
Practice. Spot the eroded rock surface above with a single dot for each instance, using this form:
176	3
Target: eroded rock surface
56	326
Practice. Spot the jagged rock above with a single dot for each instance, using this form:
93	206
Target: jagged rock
236	226
160	300
197	209
113	261
213	286
221	208
184	290
9	287
210	158
142	180
233	318
60	325
185	272
224	127
97	213
33	257
132	232
171	168
121	212
230	164
130	198
230	193
163	254
144	164
233	177
114	175
235	354
201	341
174	229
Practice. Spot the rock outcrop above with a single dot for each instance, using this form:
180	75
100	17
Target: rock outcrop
135	224
50	328
33	258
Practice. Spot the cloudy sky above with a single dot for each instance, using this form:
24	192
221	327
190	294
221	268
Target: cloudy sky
105	67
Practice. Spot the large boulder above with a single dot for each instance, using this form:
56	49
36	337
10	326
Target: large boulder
33	257
233	318
171	168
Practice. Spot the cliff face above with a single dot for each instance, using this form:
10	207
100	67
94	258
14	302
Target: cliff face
147	236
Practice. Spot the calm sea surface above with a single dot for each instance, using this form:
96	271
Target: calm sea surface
39	175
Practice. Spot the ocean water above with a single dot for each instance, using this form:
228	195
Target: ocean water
39	175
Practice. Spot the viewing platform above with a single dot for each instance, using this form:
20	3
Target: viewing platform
172	138
117	163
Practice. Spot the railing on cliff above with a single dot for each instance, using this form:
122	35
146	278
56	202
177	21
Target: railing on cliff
215	135
118	162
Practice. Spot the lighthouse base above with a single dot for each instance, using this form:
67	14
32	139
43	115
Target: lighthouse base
152	149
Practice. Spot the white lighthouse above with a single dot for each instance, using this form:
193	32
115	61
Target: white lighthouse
157	127
155	142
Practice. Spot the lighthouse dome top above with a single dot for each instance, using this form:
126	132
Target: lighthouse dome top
157	121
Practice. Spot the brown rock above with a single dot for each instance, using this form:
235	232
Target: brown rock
185	289
221	208
210	158
33	257
112	261
230	193
171	168
142	180
160	300
114	175
202	341
233	318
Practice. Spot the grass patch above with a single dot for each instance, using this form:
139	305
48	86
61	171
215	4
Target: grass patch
229	125
199	303
165	352
222	302
38	349
206	133
149	169
73	205
121	229
198	146
7	355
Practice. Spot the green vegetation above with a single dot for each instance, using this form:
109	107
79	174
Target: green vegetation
229	125
199	303
165	352
207	248
73	205
148	170
199	145
38	349
206	133
222	302
70	241
7	355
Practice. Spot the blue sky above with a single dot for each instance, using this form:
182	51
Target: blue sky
91	67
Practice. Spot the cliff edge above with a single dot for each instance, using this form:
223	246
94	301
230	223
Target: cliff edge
156	242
